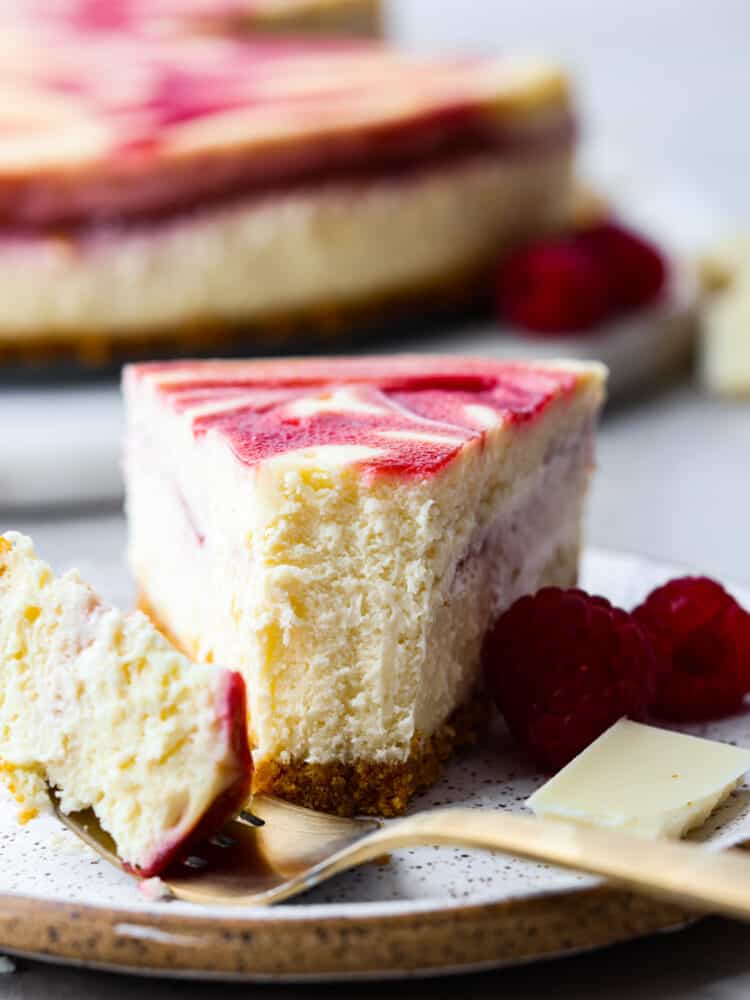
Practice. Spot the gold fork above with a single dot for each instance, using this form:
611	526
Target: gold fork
280	850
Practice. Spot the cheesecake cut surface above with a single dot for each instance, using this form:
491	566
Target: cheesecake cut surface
343	532
98	706
157	187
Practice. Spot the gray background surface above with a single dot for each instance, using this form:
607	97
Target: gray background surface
665	84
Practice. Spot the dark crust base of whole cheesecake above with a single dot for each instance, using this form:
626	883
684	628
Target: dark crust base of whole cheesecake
364	786
461	293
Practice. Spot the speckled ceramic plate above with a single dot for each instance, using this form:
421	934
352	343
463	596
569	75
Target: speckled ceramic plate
426	911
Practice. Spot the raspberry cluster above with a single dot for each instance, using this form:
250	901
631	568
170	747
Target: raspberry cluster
702	639
576	281
564	665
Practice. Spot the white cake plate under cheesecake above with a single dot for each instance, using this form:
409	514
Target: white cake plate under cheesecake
425	911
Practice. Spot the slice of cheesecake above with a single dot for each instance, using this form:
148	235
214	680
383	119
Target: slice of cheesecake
343	532
172	193
100	707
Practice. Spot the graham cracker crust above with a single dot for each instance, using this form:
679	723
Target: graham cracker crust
364	786
368	787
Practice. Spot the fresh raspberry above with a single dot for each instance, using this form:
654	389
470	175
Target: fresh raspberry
635	269
702	639
564	666
573	283
553	287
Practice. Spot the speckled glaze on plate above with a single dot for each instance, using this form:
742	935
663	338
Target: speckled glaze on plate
426	911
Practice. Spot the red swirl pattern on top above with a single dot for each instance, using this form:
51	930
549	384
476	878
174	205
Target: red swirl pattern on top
416	414
113	125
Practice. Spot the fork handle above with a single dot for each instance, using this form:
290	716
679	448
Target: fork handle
690	875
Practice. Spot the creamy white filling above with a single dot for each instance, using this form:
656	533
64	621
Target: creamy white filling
531	540
324	246
354	607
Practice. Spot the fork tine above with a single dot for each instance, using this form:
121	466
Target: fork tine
223	840
251	818
256	859
193	861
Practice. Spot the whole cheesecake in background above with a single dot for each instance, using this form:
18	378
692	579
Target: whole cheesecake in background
343	533
164	193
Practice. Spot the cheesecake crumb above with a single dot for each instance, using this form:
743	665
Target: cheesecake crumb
27	788
153	889
65	842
